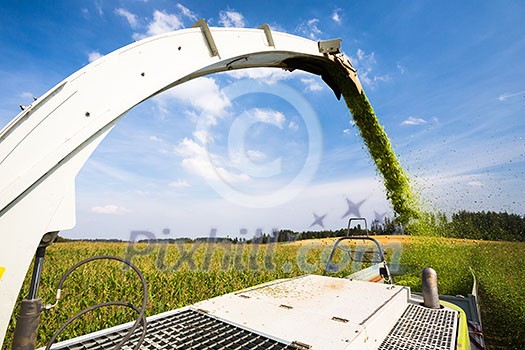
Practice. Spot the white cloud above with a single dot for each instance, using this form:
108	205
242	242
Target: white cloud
361	55
203	136
231	19
506	96
312	84
364	63
347	131
475	183
400	68
26	95
130	17
293	126
154	138
310	28
98	6
162	22
414	121
379	78
203	94
208	171
256	155
199	161
109	209
186	12
267	75
94	55
268	116
179	184
336	16
189	148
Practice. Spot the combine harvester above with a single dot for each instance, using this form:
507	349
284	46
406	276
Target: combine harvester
45	146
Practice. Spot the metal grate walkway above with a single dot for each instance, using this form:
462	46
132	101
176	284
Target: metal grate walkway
421	328
189	329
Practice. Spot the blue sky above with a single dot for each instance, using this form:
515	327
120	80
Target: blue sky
447	81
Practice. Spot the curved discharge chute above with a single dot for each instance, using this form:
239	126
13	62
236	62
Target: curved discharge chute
45	146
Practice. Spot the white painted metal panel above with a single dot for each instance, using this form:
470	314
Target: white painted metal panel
323	312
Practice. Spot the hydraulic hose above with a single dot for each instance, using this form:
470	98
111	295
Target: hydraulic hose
141	319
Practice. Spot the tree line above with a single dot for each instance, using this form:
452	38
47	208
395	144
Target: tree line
487	226
494	226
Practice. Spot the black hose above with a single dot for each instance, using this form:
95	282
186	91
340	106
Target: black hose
141	312
91	308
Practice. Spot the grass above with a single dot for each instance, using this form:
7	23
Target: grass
179	275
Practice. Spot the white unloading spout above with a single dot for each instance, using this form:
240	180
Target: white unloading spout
45	146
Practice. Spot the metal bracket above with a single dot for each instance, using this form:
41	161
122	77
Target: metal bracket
330	46
339	319
48	239
300	346
268	33
203	25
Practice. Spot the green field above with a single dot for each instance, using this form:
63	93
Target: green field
182	274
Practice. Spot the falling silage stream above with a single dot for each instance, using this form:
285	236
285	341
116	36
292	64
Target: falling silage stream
398	189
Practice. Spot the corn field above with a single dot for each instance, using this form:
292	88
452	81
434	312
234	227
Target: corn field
182	274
